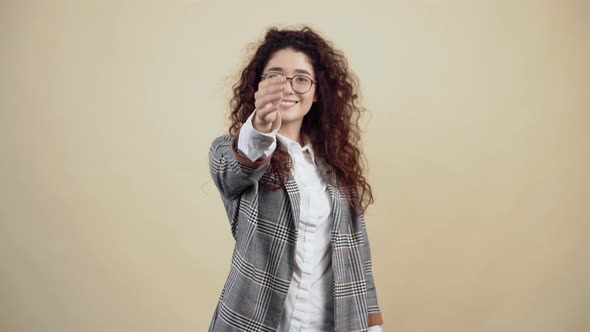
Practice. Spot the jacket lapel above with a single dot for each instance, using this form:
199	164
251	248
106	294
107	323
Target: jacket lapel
293	192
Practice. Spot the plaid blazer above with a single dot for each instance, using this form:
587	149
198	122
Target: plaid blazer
264	225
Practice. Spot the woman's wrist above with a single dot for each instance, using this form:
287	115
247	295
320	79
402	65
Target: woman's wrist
263	128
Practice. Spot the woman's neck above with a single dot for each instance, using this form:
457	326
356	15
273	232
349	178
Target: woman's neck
292	132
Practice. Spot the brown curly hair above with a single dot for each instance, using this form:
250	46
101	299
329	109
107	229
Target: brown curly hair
332	123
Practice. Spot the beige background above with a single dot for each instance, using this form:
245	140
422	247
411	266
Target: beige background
477	143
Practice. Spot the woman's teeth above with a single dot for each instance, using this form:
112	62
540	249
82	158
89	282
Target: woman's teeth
288	103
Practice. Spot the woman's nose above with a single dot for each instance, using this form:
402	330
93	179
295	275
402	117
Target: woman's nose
288	87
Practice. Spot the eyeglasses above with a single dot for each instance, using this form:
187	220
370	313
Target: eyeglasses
300	83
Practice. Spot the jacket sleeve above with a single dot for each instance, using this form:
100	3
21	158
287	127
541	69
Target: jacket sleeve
375	317
231	171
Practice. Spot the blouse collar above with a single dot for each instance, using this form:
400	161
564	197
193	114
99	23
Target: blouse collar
292	146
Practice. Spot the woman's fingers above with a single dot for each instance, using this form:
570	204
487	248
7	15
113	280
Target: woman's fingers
270	83
267	109
263	91
269	113
264	118
269	94
267	99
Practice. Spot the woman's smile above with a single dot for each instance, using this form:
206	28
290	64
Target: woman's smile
285	104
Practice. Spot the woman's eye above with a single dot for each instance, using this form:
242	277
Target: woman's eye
301	79
272	75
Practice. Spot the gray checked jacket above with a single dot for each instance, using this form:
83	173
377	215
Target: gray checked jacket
264	225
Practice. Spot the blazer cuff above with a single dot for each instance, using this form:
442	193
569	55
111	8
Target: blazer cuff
375	319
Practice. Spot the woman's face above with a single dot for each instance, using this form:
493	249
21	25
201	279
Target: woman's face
294	106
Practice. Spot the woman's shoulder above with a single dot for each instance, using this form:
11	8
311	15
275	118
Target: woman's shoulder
222	140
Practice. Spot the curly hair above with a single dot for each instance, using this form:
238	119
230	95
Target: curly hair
332	123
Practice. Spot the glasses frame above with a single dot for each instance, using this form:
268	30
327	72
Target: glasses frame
290	79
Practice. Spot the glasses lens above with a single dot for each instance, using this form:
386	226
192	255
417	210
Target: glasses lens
301	84
273	76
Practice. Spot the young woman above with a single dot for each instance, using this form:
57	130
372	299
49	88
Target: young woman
290	175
